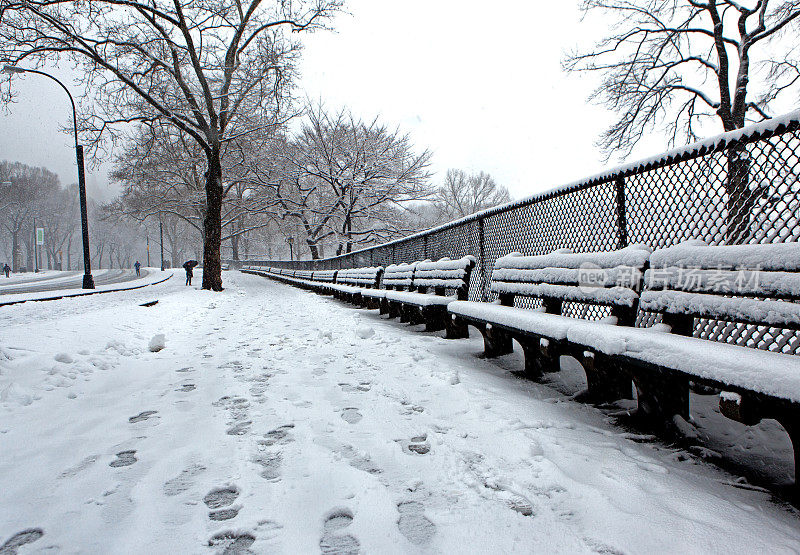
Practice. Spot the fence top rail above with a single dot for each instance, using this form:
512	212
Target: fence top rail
716	143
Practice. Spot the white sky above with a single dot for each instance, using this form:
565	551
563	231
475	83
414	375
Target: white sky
478	83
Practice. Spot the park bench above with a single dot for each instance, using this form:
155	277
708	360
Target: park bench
564	284
420	292
323	280
350	282
395	277
739	286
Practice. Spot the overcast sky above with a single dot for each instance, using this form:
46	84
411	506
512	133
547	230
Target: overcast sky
478	83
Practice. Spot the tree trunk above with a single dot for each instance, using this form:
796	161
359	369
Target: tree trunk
235	247
15	248
740	199
212	224
312	246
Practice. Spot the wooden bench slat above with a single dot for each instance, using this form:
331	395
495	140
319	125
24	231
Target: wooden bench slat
777	313
782	257
635	256
761	283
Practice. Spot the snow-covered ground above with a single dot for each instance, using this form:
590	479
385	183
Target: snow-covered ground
276	420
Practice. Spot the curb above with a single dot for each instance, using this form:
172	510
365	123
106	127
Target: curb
9	303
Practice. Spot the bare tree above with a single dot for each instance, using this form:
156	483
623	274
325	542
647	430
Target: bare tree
682	63
344	178
161	172
462	194
59	217
212	69
21	201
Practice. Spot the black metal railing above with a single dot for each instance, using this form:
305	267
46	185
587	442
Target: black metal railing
740	187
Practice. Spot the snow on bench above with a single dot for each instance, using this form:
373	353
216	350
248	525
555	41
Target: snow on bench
395	276
611	278
351	281
420	292
722	284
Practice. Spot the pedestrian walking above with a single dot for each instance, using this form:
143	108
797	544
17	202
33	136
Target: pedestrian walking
7	270
189	267
137	266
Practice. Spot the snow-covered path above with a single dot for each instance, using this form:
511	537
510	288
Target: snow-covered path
277	420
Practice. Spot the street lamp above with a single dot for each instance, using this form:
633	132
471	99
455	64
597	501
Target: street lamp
88	281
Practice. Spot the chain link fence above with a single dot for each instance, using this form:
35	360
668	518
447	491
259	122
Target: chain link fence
740	187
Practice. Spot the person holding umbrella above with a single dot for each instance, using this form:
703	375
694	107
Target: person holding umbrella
189	266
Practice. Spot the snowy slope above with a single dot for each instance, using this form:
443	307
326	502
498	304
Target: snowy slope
281	421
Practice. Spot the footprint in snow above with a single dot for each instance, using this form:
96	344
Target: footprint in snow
279	435
409	408
599	547
142	416
186	369
240	428
19	539
124	458
358	460
185	388
413	523
270	464
350	388
416	445
351	415
334	541
219	501
513	500
232	543
182	481
80	467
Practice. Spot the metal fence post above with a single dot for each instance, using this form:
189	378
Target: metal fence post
622	220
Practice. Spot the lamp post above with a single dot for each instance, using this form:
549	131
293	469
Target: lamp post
88	281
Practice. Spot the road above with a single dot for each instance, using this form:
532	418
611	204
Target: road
69	280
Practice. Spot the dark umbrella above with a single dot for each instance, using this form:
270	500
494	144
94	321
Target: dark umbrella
190	263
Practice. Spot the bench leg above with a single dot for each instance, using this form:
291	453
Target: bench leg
661	396
435	317
456	328
533	364
605	382
415	316
405	317
549	358
383	307
394	310
496	342
792	425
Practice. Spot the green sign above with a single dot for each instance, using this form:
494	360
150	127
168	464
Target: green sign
40	236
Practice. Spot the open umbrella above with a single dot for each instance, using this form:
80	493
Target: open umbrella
190	263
